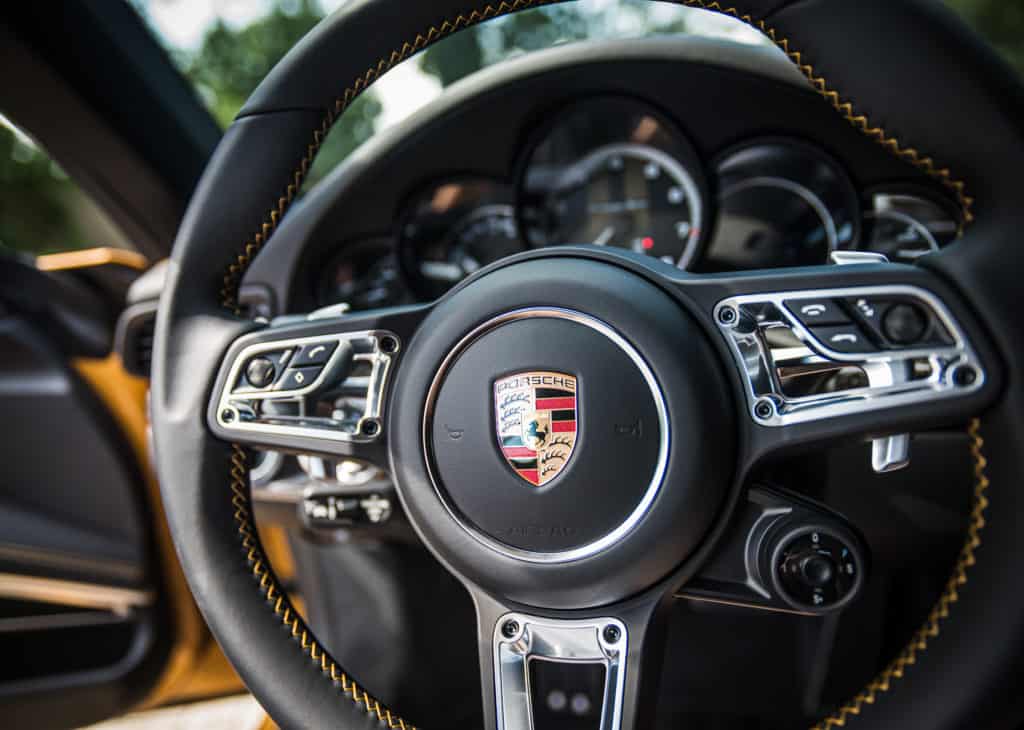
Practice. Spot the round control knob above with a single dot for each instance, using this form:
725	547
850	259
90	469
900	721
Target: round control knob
260	372
904	323
816	569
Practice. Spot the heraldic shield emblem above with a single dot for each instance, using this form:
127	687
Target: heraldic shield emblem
535	420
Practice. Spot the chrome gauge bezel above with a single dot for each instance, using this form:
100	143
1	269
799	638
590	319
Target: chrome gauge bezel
495	194
668	143
847	201
918	193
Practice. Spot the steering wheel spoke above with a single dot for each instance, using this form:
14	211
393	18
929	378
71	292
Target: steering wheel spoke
313	385
830	352
545	671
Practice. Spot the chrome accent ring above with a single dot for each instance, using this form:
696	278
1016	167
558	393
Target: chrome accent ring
642	508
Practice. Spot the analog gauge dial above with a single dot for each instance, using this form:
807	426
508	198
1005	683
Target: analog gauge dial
483	236
364	274
905	227
613	171
780	203
453	228
629	196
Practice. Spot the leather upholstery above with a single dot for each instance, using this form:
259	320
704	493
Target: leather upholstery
909	65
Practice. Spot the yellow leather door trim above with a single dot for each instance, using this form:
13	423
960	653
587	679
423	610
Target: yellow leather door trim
196	666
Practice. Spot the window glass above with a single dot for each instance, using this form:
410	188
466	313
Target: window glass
41	209
225	47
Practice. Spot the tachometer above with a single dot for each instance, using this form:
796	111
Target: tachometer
613	171
630	196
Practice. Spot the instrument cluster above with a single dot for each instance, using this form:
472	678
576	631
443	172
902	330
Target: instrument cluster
615	171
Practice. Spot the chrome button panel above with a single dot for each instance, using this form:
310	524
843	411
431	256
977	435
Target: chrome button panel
520	640
326	387
796	370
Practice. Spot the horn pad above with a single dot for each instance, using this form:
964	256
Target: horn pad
549	433
561	430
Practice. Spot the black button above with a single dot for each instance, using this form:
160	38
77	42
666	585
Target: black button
314	353
817	570
868	310
844	338
260	372
297	378
904	324
814	312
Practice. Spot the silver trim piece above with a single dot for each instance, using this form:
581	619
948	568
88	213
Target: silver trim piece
591	548
553	640
891	453
73	593
816	204
237	402
845	258
758	314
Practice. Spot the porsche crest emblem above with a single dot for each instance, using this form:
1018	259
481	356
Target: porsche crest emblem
535	420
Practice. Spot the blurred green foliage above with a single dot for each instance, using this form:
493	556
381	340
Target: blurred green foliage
1000	22
34	198
41	210
230	64
482	45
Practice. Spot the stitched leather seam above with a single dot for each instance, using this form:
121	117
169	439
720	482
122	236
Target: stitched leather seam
236	269
259	565
940	611
278	601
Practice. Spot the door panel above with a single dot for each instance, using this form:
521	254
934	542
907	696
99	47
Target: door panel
80	621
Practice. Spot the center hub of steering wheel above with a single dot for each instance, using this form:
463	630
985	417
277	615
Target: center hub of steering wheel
549	434
561	430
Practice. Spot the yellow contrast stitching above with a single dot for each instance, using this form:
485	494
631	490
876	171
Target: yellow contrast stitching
261	570
940	611
235	270
845	108
281	606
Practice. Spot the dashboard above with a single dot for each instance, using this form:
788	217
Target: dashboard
708	155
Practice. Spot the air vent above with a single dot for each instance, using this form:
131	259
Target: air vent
137	324
134	341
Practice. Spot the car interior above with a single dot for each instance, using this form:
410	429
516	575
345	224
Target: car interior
512	365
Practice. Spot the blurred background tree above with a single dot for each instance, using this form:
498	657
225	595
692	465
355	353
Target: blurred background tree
230	64
42	210
1001	23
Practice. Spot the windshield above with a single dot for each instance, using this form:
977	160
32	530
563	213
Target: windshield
226	47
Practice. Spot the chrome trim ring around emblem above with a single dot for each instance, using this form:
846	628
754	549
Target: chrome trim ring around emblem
560	641
634	518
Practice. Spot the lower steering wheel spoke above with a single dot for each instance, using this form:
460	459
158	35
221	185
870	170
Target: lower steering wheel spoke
595	671
313	385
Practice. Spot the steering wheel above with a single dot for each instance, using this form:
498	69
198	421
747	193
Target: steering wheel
570	430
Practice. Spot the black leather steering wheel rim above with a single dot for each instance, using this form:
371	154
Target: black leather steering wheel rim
886	66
